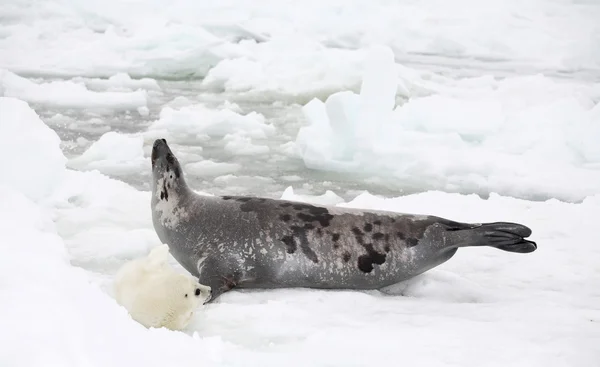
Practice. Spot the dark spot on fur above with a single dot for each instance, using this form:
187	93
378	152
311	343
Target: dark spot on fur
393	220
400	235
250	204
336	246
319	232
378	236
285	205
335	237
285	217
315	213
309	253
317	210
165	191
365	262
170	158
346	256
377	222
386	247
411	242
323	219
290	244
358	235
227	197
387	237
301	206
162	195
368	227
305	217
172	164
169	185
299	233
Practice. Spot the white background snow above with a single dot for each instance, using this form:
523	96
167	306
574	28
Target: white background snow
472	110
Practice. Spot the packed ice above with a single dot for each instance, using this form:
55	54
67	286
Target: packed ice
530	136
469	110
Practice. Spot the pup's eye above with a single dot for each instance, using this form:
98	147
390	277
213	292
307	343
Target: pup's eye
197	291
186	294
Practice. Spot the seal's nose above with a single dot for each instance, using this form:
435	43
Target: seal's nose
159	148
159	142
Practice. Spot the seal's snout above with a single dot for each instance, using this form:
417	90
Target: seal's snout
159	149
159	142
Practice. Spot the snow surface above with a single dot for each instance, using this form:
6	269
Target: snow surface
452	99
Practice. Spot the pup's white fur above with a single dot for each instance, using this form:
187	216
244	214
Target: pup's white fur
155	295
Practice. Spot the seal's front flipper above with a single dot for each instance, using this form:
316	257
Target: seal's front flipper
501	235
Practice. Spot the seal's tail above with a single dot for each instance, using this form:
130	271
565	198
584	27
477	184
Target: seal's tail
501	235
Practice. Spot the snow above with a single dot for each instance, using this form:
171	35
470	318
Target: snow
474	111
33	172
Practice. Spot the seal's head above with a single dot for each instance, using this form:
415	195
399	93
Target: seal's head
166	171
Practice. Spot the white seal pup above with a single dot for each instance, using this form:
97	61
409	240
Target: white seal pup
155	294
251	242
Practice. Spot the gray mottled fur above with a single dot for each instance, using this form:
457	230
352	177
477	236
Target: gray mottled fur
250	242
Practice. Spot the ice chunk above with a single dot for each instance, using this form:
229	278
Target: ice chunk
68	94
121	81
113	153
30	155
199	120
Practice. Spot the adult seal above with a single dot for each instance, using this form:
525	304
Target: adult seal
252	242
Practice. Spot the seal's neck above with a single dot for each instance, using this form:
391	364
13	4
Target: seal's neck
169	192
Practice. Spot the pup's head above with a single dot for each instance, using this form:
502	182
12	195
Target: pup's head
177	296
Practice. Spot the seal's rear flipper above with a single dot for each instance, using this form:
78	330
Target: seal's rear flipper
501	235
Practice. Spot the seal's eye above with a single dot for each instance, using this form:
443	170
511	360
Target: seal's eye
197	291
186	295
